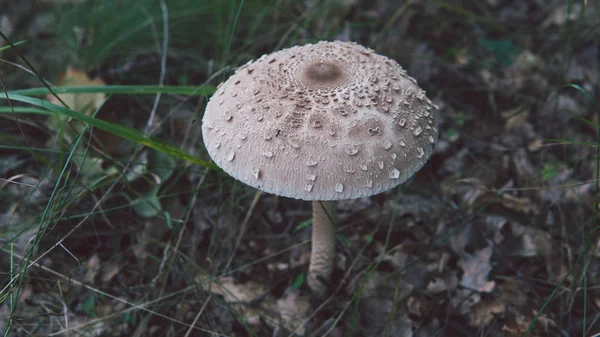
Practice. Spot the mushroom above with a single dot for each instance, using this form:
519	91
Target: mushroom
320	122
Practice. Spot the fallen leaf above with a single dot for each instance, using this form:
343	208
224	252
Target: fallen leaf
512	292
561	14
476	269
523	166
93	266
436	285
544	321
515	118
418	305
475	194
293	310
378	317
236	292
110	270
485	311
522	205
535	145
463	300
83	103
289	311
534	242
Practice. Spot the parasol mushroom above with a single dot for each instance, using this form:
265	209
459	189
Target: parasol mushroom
320	122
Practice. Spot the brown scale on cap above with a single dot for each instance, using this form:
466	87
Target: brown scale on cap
324	121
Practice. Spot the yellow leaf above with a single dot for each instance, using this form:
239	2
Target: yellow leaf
83	103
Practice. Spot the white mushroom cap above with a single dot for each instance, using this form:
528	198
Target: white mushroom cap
325	121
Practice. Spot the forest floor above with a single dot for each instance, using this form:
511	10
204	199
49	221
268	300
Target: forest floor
103	235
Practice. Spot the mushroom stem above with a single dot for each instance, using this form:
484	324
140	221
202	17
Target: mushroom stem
323	246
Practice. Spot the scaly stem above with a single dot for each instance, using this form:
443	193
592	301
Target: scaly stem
322	256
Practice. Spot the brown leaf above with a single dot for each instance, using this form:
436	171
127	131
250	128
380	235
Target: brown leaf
515	118
293	310
484	312
534	242
83	103
476	269
93	266
236	292
464	299
544	321
475	194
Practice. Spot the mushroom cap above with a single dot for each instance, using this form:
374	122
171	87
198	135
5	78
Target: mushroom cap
324	121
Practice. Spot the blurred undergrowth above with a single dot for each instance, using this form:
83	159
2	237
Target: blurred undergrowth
63	174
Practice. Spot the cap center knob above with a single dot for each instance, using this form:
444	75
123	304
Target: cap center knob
323	74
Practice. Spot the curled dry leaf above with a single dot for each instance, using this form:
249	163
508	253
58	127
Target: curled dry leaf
523	166
525	72
378	317
545	321
475	194
476	269
447	281
289	311
83	103
238	295
436	285
293	310
93	267
381	283
562	14
533	241
513	293
563	106
236	292
522	205
418	305
463	300
580	191
515	118
485	311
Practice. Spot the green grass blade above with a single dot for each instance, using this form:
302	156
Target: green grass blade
597	109
203	90
14	44
116	129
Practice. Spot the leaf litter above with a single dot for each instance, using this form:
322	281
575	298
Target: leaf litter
474	245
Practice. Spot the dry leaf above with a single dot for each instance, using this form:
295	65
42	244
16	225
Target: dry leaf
522	205
476	269
236	292
534	242
293	310
110	270
418	305
515	118
464	299
512	292
93	266
561	14
535	145
475	194
436	285
83	103
290	311
485	311
544	321
523	166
